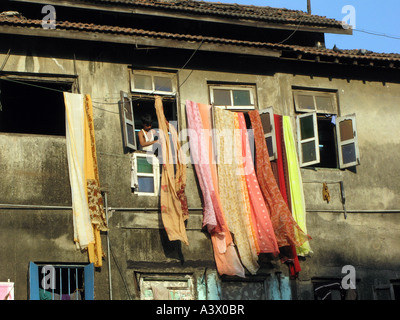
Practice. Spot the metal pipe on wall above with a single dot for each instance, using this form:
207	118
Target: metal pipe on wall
27	206
108	247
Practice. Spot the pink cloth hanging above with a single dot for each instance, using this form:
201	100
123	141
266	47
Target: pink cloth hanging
200	159
226	257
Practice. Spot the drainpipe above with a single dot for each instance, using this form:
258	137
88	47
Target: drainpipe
343	198
108	247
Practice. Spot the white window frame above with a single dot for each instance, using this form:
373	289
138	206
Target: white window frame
341	143
231	87
315	139
315	94
271	134
155	175
125	120
153	74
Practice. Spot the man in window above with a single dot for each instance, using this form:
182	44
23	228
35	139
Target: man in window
146	135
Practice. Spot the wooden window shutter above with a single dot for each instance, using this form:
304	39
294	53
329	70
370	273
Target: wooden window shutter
33	281
307	139
347	141
268	124
128	121
89	281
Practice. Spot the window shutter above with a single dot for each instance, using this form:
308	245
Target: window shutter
267	120
89	281
33	281
128	121
307	139
346	132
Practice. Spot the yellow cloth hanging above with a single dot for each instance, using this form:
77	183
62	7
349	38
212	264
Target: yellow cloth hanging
87	202
95	200
296	184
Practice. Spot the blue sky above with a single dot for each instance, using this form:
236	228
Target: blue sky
371	16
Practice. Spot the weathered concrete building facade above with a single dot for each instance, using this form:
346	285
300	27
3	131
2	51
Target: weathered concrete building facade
184	50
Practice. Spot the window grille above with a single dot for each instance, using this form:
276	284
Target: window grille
61	282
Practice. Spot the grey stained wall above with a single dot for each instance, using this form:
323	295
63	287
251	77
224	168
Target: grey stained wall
34	171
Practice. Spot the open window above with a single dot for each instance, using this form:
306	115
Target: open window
33	105
348	151
235	97
61	281
144	86
324	139
128	121
307	139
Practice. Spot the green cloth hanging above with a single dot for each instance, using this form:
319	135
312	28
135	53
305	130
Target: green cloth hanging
296	184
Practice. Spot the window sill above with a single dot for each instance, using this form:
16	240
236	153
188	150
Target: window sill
313	174
33	135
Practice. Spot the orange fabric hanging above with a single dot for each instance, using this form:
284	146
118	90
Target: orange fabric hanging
174	209
261	222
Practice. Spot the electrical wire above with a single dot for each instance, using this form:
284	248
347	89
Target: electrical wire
295	30
31	84
120	272
375	33
190	58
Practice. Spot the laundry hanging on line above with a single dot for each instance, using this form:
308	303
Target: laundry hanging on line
286	229
290	234
87	203
174	208
199	125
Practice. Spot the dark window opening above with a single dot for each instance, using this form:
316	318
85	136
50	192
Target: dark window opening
396	289
327	143
33	107
145	105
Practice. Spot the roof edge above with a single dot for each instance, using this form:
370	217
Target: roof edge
152	7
